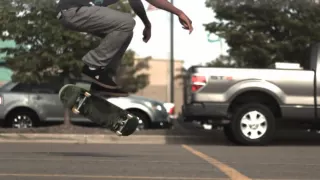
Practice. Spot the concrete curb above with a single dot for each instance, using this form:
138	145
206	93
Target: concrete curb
94	138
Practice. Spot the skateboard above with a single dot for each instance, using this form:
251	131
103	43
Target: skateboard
82	101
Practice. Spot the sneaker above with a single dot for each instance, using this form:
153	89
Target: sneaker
97	89
99	76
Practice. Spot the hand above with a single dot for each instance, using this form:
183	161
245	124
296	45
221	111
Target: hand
186	22
146	33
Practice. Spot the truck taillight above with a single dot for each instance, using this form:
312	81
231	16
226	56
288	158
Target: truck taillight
197	82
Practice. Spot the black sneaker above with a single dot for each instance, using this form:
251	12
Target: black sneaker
97	89
99	76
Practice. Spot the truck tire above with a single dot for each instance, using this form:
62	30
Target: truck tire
229	134
253	124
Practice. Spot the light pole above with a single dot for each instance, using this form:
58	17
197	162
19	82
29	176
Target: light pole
171	58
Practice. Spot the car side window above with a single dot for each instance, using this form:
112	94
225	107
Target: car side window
21	87
43	90
46	88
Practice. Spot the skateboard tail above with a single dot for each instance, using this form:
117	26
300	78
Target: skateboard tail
68	95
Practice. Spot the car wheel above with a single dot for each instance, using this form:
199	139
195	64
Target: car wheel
143	119
252	124
21	119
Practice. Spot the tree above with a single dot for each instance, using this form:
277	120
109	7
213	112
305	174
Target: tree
123	6
130	76
222	61
262	32
46	51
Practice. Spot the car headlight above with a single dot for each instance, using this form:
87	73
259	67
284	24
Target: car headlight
159	108
154	106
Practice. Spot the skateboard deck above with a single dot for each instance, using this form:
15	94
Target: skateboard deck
82	101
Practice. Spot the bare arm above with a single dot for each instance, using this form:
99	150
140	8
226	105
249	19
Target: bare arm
165	5
138	8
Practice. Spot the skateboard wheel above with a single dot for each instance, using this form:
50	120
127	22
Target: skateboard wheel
75	110
119	133
87	94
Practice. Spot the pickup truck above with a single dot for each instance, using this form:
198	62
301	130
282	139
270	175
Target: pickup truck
250	103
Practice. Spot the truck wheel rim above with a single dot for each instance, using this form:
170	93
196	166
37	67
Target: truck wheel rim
253	125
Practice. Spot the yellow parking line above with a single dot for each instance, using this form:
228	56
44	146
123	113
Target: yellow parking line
104	177
282	179
230	172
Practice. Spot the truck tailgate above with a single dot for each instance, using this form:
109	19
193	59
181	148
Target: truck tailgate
206	86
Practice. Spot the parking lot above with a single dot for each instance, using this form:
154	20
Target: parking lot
292	159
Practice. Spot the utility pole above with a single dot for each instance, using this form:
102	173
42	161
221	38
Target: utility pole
171	58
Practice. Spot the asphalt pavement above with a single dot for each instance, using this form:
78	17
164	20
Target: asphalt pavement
69	161
53	161
292	156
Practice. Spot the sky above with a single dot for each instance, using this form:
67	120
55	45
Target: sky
192	48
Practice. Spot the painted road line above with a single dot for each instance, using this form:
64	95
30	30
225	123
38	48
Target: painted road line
285	179
86	160
83	176
229	171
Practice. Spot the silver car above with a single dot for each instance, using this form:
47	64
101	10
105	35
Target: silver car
28	105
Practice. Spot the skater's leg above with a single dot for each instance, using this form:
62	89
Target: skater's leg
115	63
118	30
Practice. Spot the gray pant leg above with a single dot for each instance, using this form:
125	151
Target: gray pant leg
116	61
117	28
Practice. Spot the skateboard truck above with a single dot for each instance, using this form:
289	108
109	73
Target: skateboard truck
122	125
76	110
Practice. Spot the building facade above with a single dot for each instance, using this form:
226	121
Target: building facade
159	86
